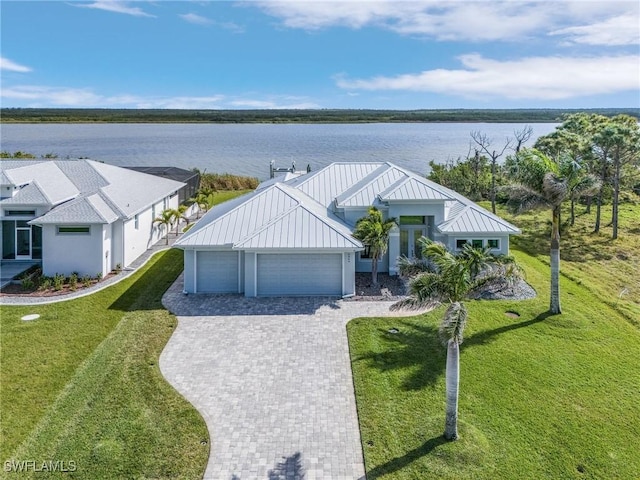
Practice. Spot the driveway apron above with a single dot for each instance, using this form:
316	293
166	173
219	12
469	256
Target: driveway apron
272	380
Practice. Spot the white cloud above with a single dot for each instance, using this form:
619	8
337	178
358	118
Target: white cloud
475	20
620	30
284	103
116	6
195	19
534	78
10	66
45	96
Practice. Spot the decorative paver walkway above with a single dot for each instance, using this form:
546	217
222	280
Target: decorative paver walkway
272	379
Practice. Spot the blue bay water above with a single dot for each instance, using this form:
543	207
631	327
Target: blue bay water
247	149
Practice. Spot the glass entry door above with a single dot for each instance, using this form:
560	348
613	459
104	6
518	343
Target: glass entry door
409	246
23	243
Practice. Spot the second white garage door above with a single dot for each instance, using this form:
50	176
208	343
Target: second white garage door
217	272
299	274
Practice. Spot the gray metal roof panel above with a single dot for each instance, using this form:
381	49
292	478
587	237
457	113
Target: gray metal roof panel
300	228
231	223
476	220
415	188
332	181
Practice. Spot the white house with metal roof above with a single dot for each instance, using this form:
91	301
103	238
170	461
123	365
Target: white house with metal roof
79	215
293	236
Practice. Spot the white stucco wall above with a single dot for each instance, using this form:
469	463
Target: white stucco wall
348	274
189	271
138	240
68	253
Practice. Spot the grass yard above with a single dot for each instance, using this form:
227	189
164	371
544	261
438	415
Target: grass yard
540	396
608	268
82	384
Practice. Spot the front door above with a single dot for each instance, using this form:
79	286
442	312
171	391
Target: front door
23	243
409	236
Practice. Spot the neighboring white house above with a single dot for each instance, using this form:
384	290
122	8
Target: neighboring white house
293	236
79	215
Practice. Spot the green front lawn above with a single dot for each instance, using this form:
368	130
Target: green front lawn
82	384
540	397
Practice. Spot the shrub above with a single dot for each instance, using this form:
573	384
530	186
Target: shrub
86	281
73	281
58	281
27	283
45	283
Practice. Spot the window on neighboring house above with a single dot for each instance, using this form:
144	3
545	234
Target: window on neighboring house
20	213
366	253
164	203
460	243
74	230
494	244
153	211
476	243
136	221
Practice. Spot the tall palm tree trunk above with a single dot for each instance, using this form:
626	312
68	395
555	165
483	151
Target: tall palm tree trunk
554	307
452	383
374	271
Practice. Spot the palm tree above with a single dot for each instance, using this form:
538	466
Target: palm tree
179	214
204	198
373	230
165	219
545	183
452	279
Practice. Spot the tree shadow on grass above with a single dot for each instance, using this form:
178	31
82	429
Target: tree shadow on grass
420	346
145	293
399	463
487	336
411	345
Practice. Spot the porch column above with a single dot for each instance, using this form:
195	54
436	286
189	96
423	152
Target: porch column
394	250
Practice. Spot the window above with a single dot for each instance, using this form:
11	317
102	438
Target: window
460	243
136	222
20	213
366	253
412	220
494	244
74	230
153	211
476	243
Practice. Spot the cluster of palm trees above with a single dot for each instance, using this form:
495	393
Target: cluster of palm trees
171	217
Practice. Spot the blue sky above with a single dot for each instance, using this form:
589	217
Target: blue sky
304	54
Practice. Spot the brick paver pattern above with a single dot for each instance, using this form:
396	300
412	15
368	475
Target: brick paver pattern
272	379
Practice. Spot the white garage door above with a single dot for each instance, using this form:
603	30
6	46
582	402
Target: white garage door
300	274
217	272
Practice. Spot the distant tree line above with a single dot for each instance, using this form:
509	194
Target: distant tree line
98	115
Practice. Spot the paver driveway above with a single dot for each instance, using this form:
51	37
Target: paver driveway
272	379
